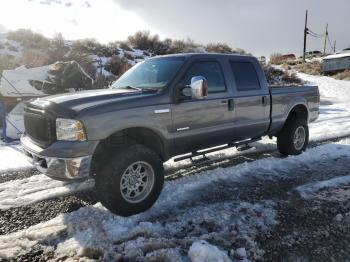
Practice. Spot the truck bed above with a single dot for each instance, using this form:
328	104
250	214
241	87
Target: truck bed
283	98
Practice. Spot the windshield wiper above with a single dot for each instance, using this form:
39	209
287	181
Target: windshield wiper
142	89
131	87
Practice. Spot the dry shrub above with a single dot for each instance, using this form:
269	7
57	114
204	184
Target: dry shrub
129	56
7	62
34	58
311	68
91	46
276	59
219	48
102	81
151	43
276	77
84	60
117	66
58	49
29	39
345	75
142	40
125	46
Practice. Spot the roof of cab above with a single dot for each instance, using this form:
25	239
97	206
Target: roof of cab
213	55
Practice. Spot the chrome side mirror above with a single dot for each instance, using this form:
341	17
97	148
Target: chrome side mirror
199	87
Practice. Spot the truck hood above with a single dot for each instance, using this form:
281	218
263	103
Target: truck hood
82	100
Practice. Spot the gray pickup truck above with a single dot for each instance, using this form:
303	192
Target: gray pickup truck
178	105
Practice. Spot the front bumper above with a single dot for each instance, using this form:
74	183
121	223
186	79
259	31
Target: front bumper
61	168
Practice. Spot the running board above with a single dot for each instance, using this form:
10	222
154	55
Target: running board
243	144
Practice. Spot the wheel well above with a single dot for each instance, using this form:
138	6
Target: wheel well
299	111
135	135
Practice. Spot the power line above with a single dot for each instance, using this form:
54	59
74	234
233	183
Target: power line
312	33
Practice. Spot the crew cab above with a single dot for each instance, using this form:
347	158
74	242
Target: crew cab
176	105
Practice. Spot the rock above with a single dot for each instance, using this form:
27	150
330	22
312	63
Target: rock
338	218
240	253
202	251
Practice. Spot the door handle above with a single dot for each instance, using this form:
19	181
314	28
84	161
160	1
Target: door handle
230	104
263	100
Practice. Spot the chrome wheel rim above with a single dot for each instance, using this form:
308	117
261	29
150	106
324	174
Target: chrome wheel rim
137	182
299	138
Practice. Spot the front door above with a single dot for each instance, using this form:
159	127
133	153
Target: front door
203	123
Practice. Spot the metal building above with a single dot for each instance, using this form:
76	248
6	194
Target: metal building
337	62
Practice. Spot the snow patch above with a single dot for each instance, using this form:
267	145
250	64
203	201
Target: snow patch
309	190
30	190
202	251
334	118
12	158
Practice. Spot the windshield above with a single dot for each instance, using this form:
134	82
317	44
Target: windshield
152	74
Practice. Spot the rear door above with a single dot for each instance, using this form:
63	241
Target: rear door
251	100
203	123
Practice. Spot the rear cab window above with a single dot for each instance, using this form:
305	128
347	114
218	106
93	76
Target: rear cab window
245	75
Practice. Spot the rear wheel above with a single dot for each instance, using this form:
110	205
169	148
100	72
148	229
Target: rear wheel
294	137
131	180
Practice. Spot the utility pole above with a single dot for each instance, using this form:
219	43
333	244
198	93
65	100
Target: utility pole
335	42
325	40
305	34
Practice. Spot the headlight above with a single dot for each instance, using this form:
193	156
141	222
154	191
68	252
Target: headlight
70	130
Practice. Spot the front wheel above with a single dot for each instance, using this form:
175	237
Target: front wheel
131	180
294	137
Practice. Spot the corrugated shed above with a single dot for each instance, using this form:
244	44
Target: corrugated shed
336	62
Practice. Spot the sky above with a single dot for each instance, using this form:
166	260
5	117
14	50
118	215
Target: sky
261	27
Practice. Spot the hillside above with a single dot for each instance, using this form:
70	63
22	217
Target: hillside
103	62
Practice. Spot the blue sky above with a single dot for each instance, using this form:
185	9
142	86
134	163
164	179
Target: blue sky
260	27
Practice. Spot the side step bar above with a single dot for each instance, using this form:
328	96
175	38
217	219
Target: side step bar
242	144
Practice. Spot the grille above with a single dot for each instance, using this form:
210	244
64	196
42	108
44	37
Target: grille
39	127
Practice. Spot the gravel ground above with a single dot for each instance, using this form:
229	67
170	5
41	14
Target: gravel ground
14	219
18	174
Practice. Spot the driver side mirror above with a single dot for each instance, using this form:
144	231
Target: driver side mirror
199	87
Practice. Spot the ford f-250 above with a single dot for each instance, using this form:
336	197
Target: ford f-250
166	106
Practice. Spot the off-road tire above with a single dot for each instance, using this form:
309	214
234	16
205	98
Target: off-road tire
108	180
285	139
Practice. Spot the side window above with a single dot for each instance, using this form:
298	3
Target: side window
245	75
211	71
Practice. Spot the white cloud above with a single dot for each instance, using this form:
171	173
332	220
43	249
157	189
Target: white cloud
105	20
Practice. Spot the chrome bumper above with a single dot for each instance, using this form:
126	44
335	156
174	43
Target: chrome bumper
60	168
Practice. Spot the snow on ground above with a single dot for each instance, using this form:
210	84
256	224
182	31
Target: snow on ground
100	230
202	251
11	158
334	119
309	190
36	188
